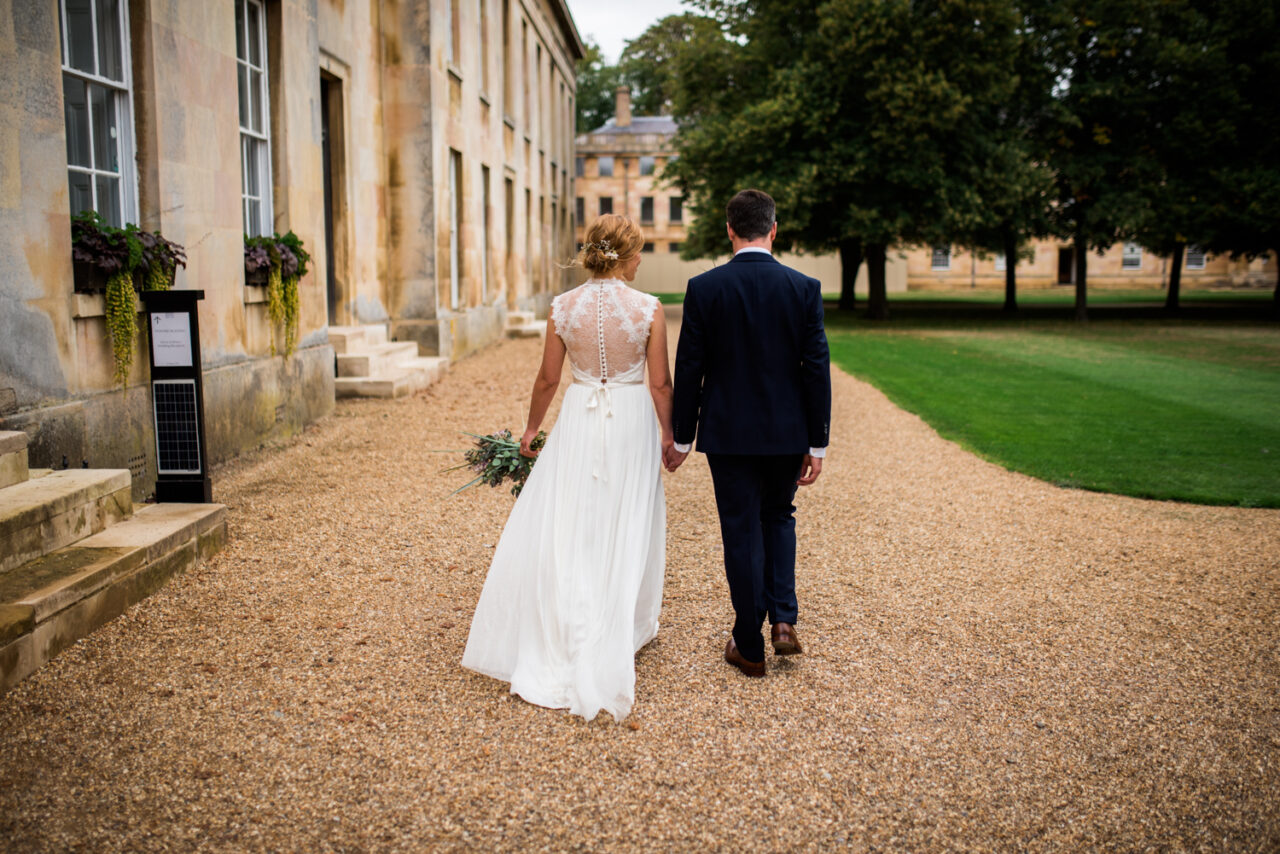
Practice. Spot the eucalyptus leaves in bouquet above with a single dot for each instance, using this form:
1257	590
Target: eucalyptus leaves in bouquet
496	459
284	261
125	257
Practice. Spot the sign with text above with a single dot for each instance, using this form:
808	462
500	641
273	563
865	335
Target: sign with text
171	339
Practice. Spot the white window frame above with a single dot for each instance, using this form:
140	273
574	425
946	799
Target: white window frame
121	94
1193	249
935	251
256	143
1131	257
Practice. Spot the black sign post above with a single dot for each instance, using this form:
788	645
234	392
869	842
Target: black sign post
177	396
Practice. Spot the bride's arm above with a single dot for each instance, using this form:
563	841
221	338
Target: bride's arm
659	365
544	386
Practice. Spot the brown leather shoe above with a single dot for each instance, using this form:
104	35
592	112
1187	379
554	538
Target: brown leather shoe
785	641
749	668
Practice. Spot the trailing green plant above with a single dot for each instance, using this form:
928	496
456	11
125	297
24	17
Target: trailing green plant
284	260
125	256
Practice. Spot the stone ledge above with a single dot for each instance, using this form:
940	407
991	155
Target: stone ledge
16	621
45	514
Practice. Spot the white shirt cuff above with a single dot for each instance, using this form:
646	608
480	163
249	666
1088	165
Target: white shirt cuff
817	453
684	449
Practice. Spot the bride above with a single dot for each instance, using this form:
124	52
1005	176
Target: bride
576	581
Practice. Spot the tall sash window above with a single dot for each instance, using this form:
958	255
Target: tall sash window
96	83
255	130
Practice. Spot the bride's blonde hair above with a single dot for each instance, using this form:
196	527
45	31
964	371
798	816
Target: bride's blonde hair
612	240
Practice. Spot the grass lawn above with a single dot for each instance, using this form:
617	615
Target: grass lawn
1184	408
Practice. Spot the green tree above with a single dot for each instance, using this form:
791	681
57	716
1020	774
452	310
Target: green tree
1245	207
869	121
597	83
1099	142
648	63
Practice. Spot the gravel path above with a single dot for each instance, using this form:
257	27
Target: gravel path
992	663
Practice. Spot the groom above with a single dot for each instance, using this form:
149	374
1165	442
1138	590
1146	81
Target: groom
753	384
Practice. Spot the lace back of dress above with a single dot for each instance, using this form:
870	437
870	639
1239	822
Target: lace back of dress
605	328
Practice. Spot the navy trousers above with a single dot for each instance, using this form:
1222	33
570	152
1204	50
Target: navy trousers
758	528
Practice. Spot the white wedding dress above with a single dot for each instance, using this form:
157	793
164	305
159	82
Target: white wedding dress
575	586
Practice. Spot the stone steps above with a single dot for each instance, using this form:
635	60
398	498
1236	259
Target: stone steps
368	365
41	515
409	378
377	359
524	324
74	554
50	602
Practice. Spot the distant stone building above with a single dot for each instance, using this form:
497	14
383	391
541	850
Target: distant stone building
619	168
420	148
1052	263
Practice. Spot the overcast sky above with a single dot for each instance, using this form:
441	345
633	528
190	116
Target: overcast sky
610	23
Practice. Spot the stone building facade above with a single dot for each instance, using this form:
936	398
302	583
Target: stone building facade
421	150
1051	263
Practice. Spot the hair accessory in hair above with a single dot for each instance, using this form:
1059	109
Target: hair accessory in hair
605	249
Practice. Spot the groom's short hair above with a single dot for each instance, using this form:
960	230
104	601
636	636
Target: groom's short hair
751	214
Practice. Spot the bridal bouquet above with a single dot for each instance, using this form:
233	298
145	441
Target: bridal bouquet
496	459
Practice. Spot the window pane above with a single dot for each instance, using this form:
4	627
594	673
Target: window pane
109	200
677	209
675	246
606	167
648	247
254	226
106	150
255	100
646	165
244	95
646	209
606	205
252	177
77	113
80	35
81	192
254	34
579	167
109	40
240	45
1195	258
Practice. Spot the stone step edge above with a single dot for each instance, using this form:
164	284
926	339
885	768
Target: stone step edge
113	575
47	513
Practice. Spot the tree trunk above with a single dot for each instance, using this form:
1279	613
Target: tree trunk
850	261
877	301
1082	278
1175	277
1010	270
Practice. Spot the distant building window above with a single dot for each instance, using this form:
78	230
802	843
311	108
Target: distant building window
606	205
96	102
1001	264
646	210
580	209
606	167
674	246
579	167
1195	257
1132	259
941	258
646	165
648	247
676	212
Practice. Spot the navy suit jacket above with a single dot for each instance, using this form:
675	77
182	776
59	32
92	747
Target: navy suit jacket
753	374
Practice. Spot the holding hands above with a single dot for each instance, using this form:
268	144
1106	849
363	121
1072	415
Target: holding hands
671	458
